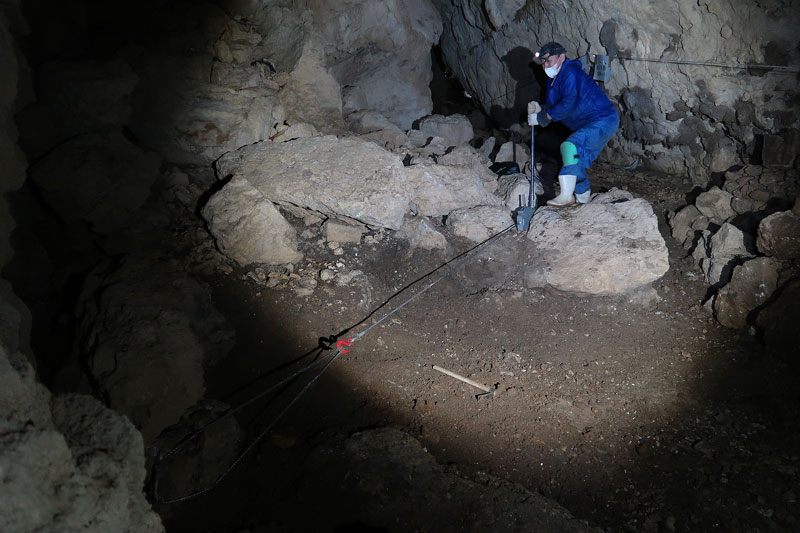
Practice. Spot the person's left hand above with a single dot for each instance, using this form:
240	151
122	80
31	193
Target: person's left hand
534	107
532	120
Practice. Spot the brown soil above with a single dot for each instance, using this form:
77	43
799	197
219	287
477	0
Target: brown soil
643	416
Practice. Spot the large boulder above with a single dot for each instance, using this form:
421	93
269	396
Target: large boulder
715	204
69	463
480	222
341	178
436	190
609	246
147	331
728	246
248	228
100	178
455	130
750	287
779	235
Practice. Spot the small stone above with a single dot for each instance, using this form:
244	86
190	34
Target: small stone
338	251
326	275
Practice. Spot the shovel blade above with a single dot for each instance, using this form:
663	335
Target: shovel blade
524	216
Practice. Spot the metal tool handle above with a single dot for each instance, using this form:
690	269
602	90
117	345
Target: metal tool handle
532	199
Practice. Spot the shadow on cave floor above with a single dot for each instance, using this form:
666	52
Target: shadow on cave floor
634	417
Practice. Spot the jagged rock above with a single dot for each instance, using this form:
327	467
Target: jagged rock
609	246
68	463
682	224
387	459
342	232
728	245
368	122
780	151
467	156
750	287
187	119
296	131
455	130
478	223
436	190
513	188
100	177
345	178
487	147
248	228
420	233
779	235
147	331
380	54
198	463
313	94
716	205
779	323
516	152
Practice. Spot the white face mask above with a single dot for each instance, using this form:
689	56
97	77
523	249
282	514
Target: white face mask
552	71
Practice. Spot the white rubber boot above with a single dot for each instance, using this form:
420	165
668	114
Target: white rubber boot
584	197
564	198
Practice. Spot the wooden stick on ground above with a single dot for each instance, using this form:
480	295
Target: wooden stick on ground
462	378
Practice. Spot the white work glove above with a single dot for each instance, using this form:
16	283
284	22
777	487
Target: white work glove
534	107
532	120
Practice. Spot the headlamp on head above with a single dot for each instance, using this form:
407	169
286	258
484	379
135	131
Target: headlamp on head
550	49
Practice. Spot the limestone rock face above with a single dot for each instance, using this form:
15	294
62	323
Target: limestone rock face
728	245
750	287
68	463
455	130
248	228
420	233
149	329
343	178
479	223
683	119
100	178
436	190
609	246
779	235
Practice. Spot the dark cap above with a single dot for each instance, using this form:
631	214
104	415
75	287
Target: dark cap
551	49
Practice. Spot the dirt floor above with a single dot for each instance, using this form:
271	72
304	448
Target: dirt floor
635	414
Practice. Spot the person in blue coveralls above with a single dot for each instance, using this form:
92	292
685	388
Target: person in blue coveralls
577	101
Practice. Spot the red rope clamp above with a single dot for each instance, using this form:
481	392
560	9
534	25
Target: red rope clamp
342	342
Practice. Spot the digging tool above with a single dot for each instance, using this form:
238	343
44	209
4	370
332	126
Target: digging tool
525	212
488	392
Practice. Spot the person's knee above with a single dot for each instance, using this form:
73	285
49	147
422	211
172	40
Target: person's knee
569	153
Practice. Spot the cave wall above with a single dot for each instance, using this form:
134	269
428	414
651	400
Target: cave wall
682	119
67	462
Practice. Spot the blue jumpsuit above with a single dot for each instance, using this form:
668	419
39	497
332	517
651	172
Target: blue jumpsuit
577	101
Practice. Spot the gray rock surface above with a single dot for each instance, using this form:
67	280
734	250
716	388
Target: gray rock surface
148	329
516	152
750	287
438	499
609	246
728	245
342	232
779	235
198	463
455	130
345	178
421	233
715	204
100	178
68	463
248	228
479	223
683	119
436	190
